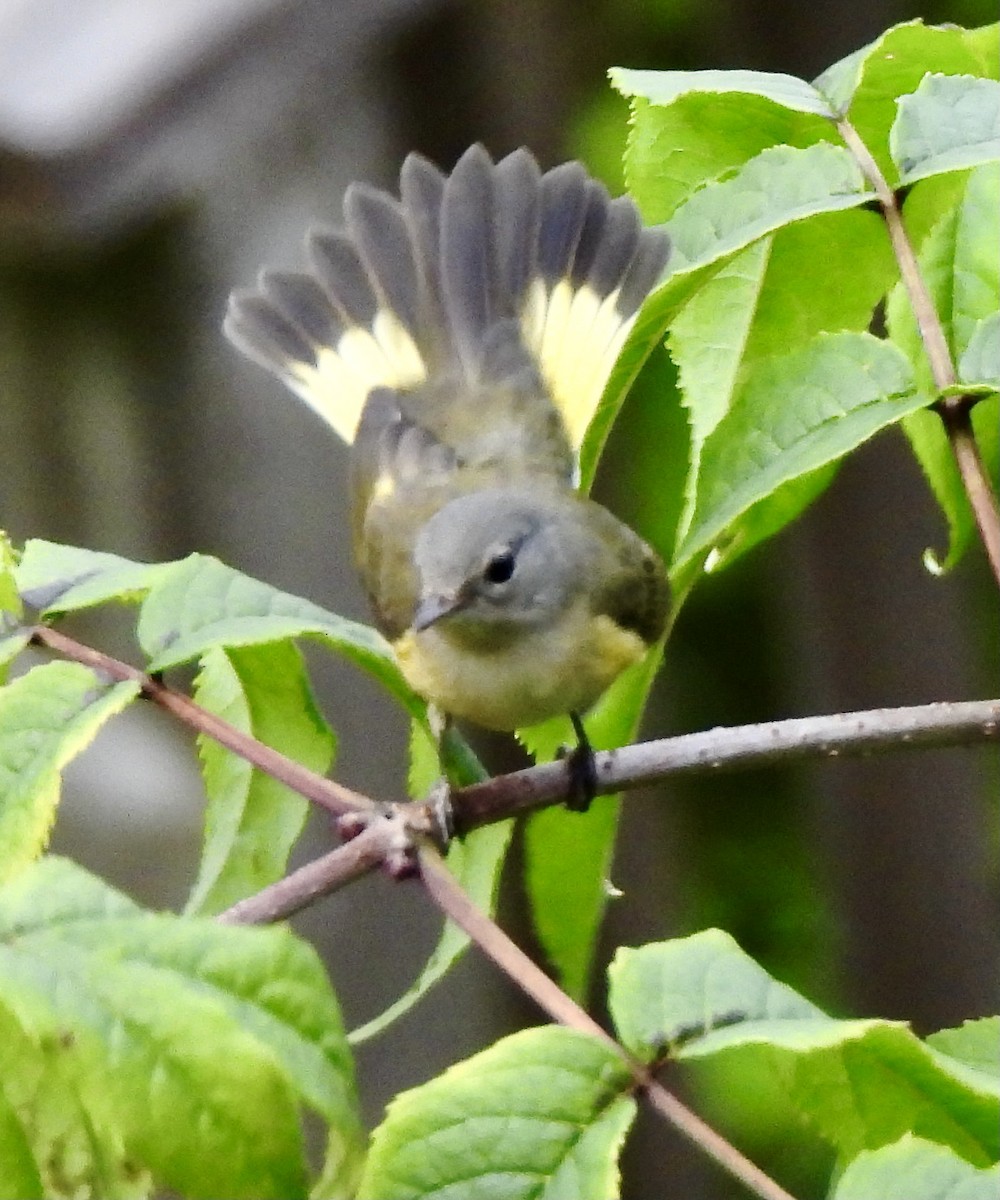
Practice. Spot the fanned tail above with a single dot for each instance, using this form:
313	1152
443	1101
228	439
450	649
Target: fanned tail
443	280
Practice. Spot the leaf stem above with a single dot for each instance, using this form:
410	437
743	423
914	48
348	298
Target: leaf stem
953	410
928	322
329	795
310	883
958	423
446	893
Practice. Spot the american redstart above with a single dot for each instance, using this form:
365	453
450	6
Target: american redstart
460	338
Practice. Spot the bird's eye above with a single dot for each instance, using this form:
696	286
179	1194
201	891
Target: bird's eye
499	568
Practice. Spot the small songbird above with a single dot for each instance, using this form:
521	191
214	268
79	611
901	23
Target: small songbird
460	339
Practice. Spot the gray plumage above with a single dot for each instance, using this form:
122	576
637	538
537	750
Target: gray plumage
440	332
457	255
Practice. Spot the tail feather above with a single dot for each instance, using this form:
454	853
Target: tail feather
468	261
421	187
518	199
429	284
378	227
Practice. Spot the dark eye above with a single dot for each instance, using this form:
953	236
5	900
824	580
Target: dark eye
500	567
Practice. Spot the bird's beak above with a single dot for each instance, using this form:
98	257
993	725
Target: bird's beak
432	608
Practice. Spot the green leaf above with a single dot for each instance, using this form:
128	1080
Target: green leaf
793	415
698	136
475	861
568	855
13	638
975	1043
10	602
252	820
867	84
755	307
540	1115
917	1169
201	603
22	1174
203	1032
53	1090
58	579
663	994
664	87
862	1083
780	185
764	518
959	264
949	123
980	362
47	717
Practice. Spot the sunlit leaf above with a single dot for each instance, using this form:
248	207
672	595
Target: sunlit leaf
949	123
540	1115
252	821
47	717
917	1169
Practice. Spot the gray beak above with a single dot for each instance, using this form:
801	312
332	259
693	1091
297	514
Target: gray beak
432	608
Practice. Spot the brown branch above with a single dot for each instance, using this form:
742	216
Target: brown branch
391	841
953	409
531	979
313	881
334	797
398	835
843	734
928	322
982	498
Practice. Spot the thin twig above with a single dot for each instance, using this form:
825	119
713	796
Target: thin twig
842	734
982	498
953	409
928	322
714	750
531	979
329	795
310	883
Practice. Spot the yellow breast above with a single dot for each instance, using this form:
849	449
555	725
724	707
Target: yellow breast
542	673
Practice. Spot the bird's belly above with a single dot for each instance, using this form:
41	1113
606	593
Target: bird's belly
542	674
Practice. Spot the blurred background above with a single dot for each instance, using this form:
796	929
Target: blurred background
152	157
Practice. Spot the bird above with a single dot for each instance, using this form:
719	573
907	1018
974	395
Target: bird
459	339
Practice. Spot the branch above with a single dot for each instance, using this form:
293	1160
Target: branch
928	322
875	731
953	410
389	833
315	880
334	797
516	965
958	425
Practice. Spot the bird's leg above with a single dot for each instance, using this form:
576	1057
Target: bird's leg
582	769
438	801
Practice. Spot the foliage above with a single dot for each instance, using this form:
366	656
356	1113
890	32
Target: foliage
143	1051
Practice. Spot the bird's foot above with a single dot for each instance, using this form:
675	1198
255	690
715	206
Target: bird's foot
582	769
